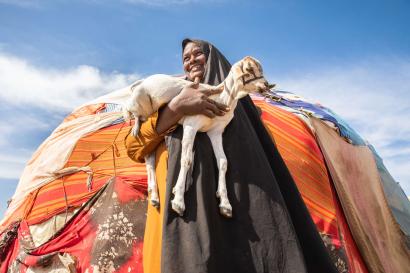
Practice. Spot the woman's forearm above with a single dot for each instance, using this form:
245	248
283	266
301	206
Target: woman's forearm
167	117
191	101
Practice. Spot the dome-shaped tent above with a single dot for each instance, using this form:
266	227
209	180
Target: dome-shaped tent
80	203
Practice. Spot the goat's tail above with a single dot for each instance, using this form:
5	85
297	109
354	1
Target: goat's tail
126	113
127	110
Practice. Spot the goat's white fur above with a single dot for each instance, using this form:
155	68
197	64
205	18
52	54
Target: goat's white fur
158	89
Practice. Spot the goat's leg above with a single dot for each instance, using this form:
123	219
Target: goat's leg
152	180
136	128
178	203
225	207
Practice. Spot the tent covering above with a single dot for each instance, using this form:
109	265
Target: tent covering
80	204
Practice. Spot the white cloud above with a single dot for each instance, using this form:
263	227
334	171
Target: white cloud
17	126
12	163
374	96
55	89
5	130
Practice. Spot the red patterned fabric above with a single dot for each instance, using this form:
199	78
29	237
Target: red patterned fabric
106	235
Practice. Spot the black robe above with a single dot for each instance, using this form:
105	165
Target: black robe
271	229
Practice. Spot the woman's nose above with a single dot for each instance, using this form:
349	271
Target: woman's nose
192	59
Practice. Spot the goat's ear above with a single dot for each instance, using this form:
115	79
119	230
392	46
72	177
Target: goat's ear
248	65
239	69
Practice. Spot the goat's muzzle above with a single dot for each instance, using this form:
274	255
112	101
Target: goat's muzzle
266	87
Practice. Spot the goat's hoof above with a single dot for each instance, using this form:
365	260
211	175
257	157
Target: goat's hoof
178	207
226	210
220	193
155	203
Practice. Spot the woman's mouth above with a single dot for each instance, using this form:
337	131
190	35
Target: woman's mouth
196	67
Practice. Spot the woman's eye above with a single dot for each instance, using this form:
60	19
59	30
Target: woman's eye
198	53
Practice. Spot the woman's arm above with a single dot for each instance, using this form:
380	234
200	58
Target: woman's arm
146	141
191	101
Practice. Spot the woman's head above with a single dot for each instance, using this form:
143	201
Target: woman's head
194	60
215	68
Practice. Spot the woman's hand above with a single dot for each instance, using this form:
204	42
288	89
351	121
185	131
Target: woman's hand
194	101
191	101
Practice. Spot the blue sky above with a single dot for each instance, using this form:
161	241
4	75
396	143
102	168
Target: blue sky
352	56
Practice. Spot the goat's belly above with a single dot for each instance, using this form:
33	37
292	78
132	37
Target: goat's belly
207	126
204	124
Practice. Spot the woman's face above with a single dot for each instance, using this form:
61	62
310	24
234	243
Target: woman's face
194	60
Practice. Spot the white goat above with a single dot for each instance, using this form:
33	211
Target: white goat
245	77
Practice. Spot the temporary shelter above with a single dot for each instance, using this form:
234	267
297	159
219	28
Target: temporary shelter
80	203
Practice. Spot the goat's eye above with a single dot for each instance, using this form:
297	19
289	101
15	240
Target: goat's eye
249	69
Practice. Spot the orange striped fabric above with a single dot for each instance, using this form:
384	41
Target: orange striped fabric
105	153
305	162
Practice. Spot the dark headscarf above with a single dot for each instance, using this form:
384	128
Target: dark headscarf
271	229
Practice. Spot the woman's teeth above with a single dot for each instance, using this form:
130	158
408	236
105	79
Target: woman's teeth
196	67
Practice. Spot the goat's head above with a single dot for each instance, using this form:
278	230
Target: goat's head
248	73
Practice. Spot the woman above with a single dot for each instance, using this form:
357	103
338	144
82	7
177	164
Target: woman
271	230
